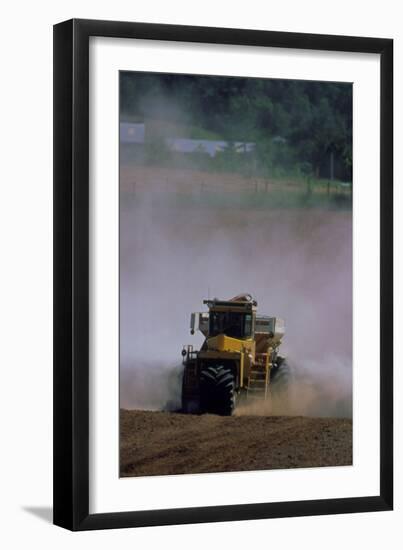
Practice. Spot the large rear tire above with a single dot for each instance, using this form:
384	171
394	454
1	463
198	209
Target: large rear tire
281	375
190	406
190	395
281	382
217	390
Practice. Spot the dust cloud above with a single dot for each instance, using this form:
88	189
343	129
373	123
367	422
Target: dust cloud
180	245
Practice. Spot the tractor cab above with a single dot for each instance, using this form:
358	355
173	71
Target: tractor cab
234	318
231	318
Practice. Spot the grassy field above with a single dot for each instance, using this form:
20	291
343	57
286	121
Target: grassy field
232	190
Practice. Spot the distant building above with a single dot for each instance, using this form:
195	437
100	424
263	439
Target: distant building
139	133
207	146
279	139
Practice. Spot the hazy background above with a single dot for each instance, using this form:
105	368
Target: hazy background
235	185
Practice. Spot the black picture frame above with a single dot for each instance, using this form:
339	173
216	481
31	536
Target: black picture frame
71	274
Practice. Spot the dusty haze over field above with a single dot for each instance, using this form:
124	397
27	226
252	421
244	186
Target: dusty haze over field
178	249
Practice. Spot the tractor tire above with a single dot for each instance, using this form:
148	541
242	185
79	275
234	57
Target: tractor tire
190	398
217	390
208	376
226	394
190	406
281	381
281	376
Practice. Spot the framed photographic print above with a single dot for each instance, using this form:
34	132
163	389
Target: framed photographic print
223	320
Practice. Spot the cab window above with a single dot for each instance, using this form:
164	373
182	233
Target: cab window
233	324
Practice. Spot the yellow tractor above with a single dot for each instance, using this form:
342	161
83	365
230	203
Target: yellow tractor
238	359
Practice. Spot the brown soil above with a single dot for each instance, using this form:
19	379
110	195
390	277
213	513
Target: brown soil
161	443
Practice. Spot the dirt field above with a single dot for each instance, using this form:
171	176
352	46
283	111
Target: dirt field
161	443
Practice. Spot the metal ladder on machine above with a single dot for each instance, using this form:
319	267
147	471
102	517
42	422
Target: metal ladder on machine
259	377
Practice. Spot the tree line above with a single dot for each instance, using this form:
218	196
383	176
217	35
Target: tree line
297	126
